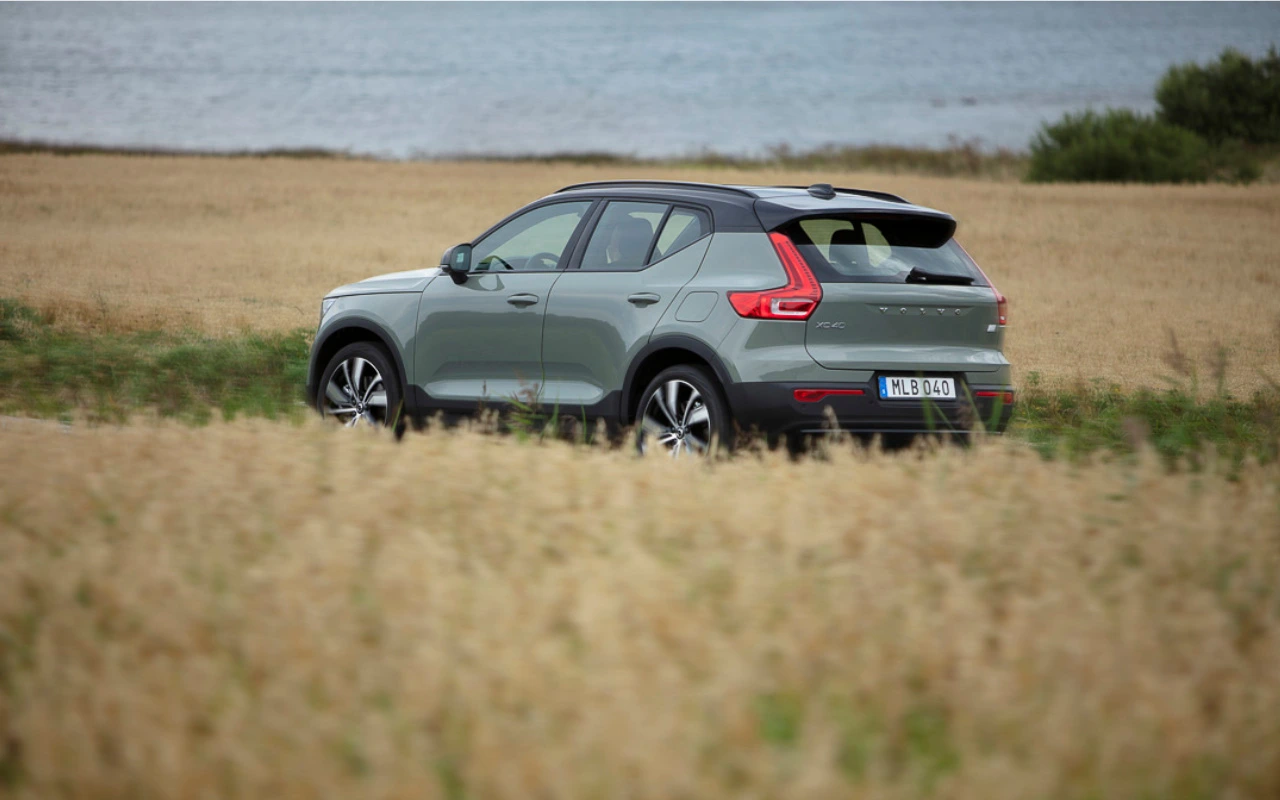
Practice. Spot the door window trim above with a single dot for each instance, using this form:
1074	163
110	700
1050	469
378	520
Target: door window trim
657	234
570	248
674	208
583	237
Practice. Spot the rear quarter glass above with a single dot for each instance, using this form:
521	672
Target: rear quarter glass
853	249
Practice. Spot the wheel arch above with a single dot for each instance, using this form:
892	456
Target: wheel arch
350	332
659	354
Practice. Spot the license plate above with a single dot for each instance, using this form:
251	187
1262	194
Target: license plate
894	387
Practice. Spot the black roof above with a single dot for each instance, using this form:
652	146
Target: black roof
742	191
740	206
747	191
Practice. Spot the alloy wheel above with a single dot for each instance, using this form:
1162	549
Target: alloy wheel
356	394
677	420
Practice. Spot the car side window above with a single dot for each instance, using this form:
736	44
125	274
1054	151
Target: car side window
623	235
535	240
684	226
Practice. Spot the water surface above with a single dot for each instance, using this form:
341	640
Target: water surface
639	78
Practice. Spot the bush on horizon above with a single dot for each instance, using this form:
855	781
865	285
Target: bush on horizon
1117	145
1232	99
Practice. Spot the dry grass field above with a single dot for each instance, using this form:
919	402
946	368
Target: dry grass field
260	610
1098	275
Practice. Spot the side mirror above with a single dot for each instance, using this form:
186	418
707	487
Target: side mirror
457	259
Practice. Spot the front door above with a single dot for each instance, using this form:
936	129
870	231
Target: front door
480	339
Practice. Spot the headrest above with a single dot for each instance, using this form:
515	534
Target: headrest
634	229
631	235
848	236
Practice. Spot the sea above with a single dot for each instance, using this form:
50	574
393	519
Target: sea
402	80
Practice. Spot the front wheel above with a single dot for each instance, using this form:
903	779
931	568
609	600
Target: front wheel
360	387
682	413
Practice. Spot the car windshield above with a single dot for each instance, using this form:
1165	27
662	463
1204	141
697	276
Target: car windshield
852	250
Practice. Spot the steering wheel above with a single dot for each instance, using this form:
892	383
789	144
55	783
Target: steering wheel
537	258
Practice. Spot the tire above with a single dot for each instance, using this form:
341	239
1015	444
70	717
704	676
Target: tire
699	422
377	398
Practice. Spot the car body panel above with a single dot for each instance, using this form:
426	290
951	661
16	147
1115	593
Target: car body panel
474	345
696	306
769	350
739	261
893	326
390	317
593	330
414	280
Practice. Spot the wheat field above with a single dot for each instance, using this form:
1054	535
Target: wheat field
263	610
258	609
1098	275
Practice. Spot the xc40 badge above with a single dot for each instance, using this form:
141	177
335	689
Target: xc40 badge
834	325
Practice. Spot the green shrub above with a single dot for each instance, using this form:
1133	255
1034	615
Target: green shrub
1233	98
1235	162
1117	145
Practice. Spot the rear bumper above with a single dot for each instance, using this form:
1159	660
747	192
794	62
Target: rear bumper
772	408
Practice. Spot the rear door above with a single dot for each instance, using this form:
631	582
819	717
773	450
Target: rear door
898	295
604	307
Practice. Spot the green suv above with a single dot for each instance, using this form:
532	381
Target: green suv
689	311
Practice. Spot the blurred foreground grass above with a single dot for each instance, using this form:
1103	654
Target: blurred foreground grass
263	610
109	377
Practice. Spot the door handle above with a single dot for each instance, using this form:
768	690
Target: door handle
643	298
522	299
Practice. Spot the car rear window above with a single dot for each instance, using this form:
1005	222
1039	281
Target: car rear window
853	250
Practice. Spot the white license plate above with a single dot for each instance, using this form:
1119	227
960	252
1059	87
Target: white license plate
894	387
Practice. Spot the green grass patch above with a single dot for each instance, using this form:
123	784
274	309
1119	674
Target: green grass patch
52	373
48	372
1177	422
780	716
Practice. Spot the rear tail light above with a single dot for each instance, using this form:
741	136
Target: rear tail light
817	395
1002	302
796	300
1005	397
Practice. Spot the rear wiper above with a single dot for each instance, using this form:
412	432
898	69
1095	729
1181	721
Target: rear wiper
917	275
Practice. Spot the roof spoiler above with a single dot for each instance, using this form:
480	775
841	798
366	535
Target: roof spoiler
927	227
827	191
